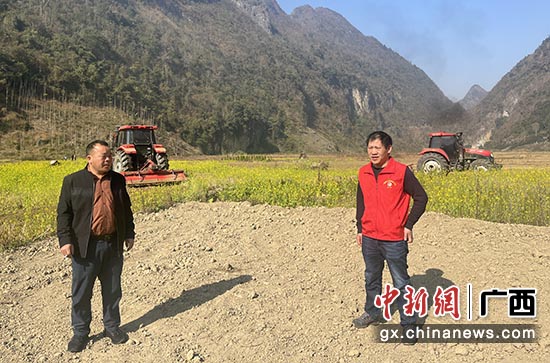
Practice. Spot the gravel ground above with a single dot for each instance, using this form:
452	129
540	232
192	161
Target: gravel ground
232	282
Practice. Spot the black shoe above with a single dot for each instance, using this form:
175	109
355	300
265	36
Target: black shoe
365	320
117	335
77	343
408	336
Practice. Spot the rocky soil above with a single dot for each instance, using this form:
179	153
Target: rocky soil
232	282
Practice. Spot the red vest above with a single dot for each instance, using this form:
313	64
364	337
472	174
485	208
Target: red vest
386	203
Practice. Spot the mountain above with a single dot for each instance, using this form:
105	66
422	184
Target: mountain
516	112
474	96
220	75
377	87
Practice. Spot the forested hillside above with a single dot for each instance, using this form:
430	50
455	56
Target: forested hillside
516	113
220	75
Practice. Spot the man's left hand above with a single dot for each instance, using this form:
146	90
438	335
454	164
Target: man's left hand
408	236
129	243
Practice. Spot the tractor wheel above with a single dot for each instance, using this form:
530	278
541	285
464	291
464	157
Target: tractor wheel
480	165
121	162
432	163
162	161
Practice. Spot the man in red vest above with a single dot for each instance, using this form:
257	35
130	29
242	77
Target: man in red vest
384	225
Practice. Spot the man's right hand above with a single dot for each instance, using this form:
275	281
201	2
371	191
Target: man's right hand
359	239
67	250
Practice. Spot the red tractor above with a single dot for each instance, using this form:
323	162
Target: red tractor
139	158
446	152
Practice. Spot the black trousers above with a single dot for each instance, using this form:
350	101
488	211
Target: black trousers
104	262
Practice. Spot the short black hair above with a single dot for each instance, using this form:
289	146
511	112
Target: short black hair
382	136
91	145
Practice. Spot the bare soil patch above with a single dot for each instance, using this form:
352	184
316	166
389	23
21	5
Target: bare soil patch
232	282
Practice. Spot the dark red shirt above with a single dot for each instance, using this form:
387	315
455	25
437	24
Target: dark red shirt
103	214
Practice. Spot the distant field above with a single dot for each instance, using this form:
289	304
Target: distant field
519	193
509	159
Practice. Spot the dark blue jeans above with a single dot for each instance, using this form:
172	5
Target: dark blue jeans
104	262
375	252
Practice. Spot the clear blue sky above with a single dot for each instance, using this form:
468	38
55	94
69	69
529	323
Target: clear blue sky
458	43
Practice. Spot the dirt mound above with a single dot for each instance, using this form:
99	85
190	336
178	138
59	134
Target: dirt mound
231	282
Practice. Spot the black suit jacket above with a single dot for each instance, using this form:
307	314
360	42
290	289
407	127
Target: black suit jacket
74	211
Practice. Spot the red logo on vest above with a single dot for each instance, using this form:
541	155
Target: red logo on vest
389	183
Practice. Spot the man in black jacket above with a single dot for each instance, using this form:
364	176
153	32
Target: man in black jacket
94	221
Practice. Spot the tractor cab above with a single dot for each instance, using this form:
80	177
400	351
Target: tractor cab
139	136
136	147
451	144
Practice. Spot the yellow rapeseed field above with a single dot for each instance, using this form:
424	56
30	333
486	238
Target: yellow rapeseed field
29	191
